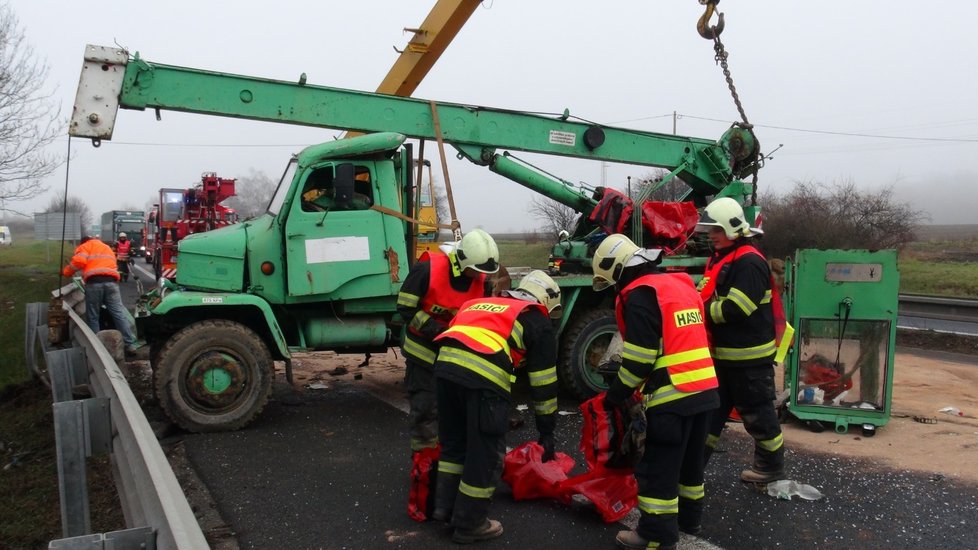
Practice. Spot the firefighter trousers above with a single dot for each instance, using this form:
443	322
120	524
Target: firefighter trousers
670	475
472	426
419	381
751	391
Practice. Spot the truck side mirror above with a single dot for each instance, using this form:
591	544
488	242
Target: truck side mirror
343	184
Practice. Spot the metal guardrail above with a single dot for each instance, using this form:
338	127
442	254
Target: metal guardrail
153	503
936	307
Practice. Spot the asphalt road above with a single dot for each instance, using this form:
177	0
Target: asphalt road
329	469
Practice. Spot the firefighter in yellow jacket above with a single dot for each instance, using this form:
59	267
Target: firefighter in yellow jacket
666	354
486	341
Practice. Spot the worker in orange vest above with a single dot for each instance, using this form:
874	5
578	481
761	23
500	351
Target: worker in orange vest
666	354
97	263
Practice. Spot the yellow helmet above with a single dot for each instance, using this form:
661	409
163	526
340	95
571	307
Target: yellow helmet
727	214
613	255
540	286
478	250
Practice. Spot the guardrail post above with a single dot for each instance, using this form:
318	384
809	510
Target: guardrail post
66	368
35	317
82	428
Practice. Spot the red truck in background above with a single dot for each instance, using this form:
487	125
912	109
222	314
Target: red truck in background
183	212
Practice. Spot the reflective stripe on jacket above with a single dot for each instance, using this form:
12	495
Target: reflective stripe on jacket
684	349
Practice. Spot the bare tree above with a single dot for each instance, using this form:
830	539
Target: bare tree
57	206
252	194
814	215
29	119
554	215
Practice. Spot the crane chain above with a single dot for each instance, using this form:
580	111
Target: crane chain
721	59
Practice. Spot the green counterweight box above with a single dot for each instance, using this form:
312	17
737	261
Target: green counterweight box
844	311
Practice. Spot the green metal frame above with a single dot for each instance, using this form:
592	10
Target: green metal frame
857	289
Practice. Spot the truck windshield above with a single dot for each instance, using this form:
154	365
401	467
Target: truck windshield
283	187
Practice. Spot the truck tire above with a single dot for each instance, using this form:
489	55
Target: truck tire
213	376
581	347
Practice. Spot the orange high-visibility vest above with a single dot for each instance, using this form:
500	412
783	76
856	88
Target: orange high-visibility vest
485	325
441	301
92	258
685	349
122	249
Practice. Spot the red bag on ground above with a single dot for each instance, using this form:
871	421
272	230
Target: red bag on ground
424	473
613	492
601	436
611	488
531	477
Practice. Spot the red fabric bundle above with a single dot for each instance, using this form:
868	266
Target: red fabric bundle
670	223
613	492
531	477
424	473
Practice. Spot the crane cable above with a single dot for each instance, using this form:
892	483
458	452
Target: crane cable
720	57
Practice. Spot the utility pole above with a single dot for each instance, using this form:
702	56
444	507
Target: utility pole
674	123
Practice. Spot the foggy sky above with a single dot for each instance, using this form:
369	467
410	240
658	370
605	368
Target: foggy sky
825	79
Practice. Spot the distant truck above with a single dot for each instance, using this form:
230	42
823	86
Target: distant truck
130	222
5	239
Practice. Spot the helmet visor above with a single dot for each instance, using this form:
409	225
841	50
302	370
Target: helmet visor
489	266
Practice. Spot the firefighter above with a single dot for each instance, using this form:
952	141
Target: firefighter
431	294
486	341
740	316
97	262
123	247
666	354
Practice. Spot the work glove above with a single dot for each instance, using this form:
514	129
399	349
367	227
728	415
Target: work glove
547	442
633	440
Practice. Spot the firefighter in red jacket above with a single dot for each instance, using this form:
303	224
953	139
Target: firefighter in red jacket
123	247
740	315
431	294
486	341
666	354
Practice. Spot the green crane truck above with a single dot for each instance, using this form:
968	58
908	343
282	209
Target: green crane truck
312	276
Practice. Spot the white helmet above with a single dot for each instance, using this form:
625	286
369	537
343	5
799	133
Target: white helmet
727	214
478	251
539	286
122	235
614	254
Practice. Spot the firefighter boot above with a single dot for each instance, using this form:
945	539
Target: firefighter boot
767	467
753	475
489	529
631	540
445	492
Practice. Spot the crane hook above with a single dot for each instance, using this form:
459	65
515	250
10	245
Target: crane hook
709	32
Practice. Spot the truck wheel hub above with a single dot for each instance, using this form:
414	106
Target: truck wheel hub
216	379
